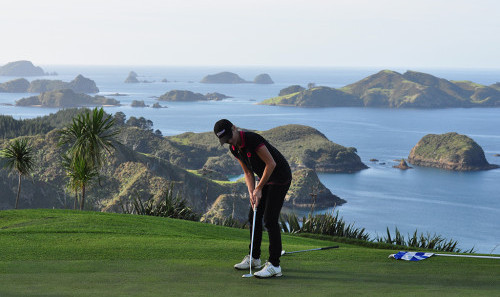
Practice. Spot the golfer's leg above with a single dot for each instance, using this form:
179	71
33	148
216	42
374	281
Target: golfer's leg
275	196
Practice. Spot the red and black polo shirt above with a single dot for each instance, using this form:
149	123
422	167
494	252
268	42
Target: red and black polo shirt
250	143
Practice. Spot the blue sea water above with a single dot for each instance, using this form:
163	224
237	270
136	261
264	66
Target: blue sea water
464	206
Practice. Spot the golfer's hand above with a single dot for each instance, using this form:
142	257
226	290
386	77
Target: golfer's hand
257	194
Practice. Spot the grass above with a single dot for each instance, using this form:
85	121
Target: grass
68	253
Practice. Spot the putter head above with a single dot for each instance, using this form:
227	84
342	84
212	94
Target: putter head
247	275
283	252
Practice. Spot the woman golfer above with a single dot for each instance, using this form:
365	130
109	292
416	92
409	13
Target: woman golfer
256	155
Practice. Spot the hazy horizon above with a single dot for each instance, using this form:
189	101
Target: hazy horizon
440	34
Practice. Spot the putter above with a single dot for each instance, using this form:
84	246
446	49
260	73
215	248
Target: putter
318	249
251	244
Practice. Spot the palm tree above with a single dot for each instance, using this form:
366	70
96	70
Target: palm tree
20	157
83	172
73	183
90	137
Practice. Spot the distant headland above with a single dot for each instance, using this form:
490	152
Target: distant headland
21	68
80	84
391	89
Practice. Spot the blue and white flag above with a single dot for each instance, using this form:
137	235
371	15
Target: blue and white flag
411	256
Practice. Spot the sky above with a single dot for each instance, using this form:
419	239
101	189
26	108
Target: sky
315	33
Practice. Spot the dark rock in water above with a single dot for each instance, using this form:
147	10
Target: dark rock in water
223	78
21	68
179	95
138	103
402	165
263	79
496	155
132	78
449	151
19	85
373	160
116	95
291	89
157	105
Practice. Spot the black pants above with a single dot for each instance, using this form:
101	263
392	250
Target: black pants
269	208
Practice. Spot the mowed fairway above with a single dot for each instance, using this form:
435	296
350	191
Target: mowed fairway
68	253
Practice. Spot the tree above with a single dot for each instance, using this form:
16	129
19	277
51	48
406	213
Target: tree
90	137
20	157
80	174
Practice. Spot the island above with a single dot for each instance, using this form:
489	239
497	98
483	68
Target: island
223	78
263	79
132	78
80	84
182	96
19	85
21	68
390	89
188	96
450	151
138	103
66	98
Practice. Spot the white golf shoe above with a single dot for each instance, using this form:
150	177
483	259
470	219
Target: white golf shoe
245	264
269	270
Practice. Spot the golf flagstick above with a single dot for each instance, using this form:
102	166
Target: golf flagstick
251	244
318	249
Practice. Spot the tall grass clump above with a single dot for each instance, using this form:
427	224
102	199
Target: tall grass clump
325	224
169	205
426	241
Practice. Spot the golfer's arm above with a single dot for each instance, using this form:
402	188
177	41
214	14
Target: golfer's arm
249	177
265	156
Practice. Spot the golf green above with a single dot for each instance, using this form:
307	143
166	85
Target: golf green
72	253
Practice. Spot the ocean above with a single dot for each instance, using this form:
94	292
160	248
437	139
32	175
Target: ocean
463	206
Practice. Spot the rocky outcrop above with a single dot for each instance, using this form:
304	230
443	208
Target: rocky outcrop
216	96
65	98
19	85
264	79
306	147
307	191
80	84
132	78
21	68
233	206
291	89
187	96
182	96
223	78
449	151
138	103
402	165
